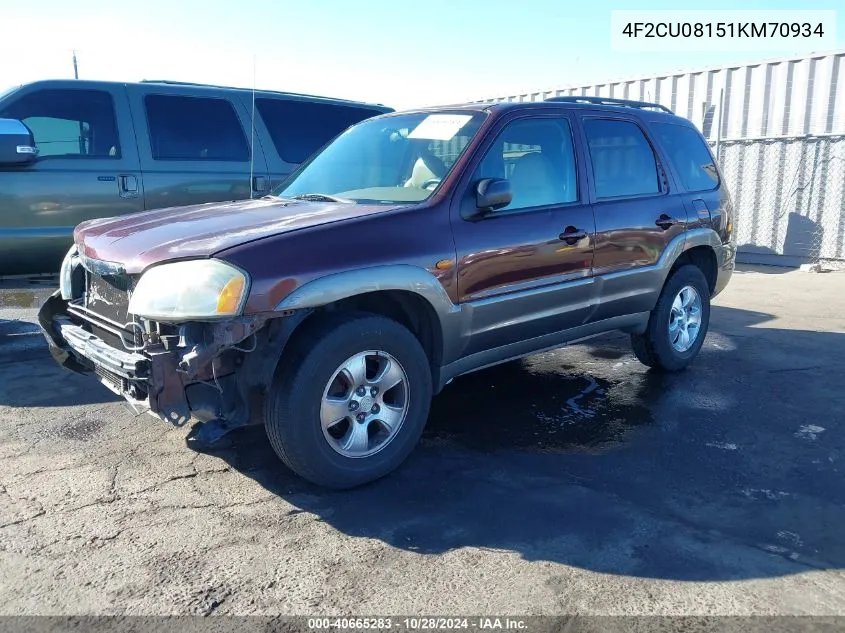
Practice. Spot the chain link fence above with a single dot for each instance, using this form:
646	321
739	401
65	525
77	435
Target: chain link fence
789	195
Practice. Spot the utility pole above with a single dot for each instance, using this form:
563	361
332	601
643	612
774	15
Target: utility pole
75	69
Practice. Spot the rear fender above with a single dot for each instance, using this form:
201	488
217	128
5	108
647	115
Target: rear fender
638	289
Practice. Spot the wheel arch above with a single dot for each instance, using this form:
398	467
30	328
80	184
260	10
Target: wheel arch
703	257
698	248
408	294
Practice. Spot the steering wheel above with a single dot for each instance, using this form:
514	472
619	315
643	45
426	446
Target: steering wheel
431	183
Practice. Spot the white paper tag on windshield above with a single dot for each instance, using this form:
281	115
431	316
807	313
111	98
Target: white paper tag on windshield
440	127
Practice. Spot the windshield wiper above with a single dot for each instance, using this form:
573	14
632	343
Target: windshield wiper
320	197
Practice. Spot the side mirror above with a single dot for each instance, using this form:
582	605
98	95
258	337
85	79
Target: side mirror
17	147
492	194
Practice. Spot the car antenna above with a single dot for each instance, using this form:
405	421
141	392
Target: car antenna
252	136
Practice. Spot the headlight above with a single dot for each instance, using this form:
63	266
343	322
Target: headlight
194	289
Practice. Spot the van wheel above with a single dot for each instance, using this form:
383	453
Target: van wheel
350	400
678	324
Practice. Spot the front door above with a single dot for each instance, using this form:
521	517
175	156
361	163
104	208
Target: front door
525	270
87	167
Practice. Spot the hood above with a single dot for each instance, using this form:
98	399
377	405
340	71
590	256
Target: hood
142	239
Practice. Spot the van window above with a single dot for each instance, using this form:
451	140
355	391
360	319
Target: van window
194	128
69	123
623	161
689	154
300	128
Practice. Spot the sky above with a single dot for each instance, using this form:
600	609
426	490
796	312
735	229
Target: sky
396	52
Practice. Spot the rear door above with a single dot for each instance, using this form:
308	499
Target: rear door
194	146
638	212
297	128
87	167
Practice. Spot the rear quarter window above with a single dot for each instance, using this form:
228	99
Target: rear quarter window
689	154
300	128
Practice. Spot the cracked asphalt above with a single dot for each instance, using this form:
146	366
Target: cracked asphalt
570	482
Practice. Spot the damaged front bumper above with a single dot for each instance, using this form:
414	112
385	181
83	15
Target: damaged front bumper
201	373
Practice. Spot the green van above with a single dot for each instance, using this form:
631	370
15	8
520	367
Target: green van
100	149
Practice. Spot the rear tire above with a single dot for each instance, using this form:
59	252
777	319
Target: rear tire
678	323
310	391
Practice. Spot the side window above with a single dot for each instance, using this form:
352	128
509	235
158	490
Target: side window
194	128
623	161
537	157
69	123
689	154
300	128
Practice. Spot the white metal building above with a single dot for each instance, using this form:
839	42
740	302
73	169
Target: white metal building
780	138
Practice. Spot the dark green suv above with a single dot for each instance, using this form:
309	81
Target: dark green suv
105	149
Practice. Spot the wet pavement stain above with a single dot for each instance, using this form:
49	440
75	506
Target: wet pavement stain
81	430
542	405
26	292
607	353
22	298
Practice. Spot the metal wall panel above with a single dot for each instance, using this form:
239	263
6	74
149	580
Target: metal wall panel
790	96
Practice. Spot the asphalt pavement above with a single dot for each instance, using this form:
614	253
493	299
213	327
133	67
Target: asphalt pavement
569	482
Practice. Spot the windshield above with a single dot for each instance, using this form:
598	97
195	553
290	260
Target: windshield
394	159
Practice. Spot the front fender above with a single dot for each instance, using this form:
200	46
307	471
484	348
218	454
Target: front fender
419	281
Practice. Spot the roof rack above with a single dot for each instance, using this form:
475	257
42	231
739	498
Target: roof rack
641	105
170	81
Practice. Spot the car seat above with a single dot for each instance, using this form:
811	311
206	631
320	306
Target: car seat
533	181
426	167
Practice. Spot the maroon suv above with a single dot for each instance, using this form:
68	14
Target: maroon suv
415	247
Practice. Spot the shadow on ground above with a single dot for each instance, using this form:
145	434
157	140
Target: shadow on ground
730	470
30	378
583	457
11	328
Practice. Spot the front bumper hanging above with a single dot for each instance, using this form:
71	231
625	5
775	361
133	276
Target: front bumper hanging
204	371
148	381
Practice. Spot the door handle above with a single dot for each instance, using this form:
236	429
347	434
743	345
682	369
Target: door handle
260	183
127	185
665	222
571	235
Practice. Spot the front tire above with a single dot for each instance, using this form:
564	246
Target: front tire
350	400
678	323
